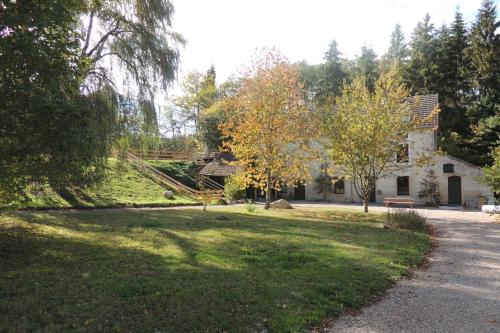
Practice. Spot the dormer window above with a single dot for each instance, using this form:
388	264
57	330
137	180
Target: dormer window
402	155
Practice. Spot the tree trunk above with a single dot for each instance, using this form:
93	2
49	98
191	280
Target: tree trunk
268	191
365	203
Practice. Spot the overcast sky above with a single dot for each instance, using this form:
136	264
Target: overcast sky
226	33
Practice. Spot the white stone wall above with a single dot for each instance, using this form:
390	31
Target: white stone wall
421	143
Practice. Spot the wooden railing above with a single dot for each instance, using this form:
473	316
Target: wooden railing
173	184
165	155
211	184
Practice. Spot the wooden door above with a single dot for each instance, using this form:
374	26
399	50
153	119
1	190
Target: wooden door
454	190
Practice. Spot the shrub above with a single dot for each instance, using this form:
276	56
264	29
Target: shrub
234	188
405	219
430	189
250	207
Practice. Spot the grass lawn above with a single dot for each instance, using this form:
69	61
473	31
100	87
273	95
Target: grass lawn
190	271
123	188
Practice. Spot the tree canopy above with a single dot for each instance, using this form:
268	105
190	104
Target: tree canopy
62	105
364	131
271	125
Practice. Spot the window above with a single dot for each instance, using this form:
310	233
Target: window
402	154
338	186
448	168
404	185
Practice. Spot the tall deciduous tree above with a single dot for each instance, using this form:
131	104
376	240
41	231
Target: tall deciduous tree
131	44
271	125
216	114
49	131
138	36
199	92
365	130
60	107
491	174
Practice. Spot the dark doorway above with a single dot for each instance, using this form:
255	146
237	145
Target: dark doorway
373	195
454	190
299	192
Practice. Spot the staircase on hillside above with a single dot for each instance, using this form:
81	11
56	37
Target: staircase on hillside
213	190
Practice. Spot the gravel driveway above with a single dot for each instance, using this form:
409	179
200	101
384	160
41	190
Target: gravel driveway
458	292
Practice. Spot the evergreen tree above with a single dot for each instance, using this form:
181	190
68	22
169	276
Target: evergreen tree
331	76
485	57
367	66
398	50
422	67
453	87
484	108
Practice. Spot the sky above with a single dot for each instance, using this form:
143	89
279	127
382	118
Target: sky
226	33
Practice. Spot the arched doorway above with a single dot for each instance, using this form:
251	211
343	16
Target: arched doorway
454	190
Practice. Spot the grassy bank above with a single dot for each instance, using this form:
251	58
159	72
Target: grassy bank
194	271
123	188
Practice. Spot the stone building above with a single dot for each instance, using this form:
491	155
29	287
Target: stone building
458	179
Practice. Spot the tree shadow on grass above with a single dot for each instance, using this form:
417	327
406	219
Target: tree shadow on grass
141	271
75	197
336	227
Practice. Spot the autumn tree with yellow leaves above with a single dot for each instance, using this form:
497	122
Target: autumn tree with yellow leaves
270	126
366	131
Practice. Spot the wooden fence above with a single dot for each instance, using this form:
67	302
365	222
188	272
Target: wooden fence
164	180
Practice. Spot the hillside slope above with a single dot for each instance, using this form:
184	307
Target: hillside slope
125	188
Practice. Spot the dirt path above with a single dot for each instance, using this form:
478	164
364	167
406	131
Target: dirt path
458	292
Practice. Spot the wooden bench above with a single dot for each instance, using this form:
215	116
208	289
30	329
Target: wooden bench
399	201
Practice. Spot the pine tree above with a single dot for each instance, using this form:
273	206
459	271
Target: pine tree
454	87
484	109
367	66
485	56
453	56
422	68
331	75
398	49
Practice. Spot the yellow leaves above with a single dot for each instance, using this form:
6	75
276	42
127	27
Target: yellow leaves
365	129
270	121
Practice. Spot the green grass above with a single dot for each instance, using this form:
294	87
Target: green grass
193	271
123	188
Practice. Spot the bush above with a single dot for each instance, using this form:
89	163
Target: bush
234	188
250	207
405	219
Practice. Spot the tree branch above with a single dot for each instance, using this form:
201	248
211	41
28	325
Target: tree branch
89	32
104	38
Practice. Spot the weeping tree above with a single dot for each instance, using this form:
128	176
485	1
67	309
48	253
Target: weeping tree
60	65
137	38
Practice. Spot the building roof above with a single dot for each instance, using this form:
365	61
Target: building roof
427	104
218	168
